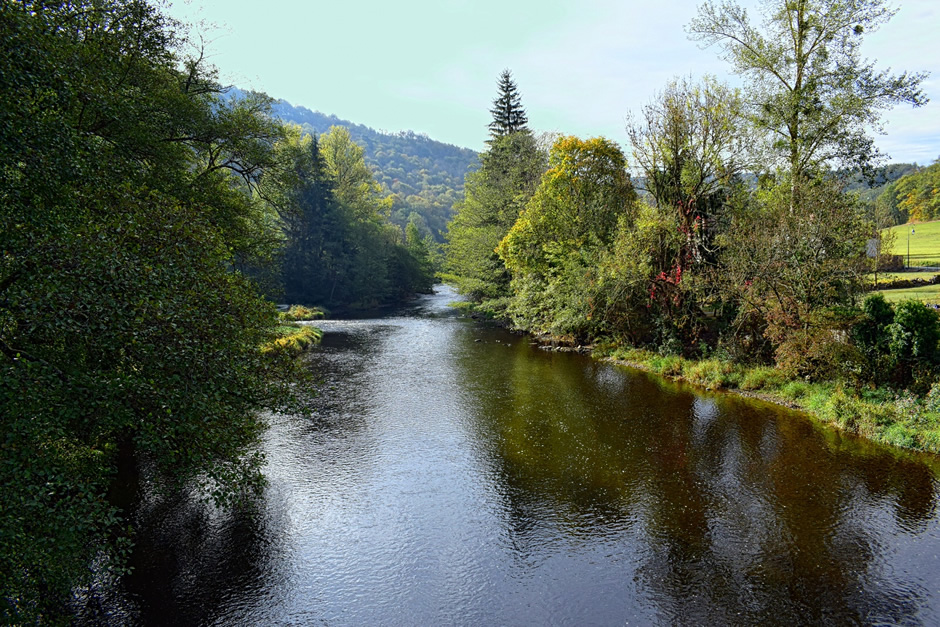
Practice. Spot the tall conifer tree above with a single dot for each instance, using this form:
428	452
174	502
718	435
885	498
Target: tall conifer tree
508	114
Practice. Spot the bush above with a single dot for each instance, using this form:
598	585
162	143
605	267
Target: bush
912	343
298	313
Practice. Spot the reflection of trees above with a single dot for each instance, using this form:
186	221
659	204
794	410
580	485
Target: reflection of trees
189	558
556	449
743	513
189	562
192	562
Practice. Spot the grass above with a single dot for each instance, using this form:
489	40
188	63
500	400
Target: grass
883	415
298	313
929	294
924	243
924	251
293	339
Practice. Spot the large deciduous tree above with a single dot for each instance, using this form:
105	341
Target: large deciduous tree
810	88
552	247
125	179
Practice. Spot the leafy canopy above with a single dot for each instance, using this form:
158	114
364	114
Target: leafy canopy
811	90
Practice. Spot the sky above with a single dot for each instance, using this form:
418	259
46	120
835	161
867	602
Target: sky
431	66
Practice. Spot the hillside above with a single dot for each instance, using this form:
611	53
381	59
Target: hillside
425	176
877	191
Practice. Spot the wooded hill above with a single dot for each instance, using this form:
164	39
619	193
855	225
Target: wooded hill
425	176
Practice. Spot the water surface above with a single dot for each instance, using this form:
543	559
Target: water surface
457	474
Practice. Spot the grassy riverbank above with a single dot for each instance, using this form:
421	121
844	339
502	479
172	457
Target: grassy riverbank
879	414
294	339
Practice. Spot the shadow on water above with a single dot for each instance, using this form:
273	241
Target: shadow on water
454	473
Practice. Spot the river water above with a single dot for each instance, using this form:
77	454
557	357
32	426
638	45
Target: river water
455	474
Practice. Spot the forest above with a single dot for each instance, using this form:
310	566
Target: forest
741	255
423	177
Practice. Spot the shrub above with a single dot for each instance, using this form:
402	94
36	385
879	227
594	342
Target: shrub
299	313
912	343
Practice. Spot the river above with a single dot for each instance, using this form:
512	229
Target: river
456	474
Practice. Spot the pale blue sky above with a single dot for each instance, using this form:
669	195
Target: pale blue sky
431	66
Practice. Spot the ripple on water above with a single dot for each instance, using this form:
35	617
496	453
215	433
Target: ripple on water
445	480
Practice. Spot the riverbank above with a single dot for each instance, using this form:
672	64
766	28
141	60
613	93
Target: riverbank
294	339
884	415
879	414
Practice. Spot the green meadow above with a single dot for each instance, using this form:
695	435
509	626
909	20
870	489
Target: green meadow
924	243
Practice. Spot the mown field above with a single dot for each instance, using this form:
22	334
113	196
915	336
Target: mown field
924	252
924	243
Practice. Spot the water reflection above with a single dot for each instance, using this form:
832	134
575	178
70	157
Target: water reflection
456	474
731	512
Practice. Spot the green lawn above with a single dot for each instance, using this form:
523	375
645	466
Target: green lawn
924	251
924	243
929	294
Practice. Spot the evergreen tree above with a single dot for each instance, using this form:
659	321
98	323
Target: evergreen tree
508	114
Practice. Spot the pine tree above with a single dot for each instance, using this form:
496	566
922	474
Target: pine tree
508	114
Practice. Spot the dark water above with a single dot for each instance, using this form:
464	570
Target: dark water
457	475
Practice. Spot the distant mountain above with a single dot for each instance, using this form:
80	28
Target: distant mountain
425	176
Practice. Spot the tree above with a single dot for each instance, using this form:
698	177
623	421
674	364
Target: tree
810	89
310	220
510	171
917	195
578	203
689	142
339	249
556	242
692	151
786	269
354	183
126	180
508	114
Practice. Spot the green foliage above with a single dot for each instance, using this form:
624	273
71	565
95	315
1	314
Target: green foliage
510	171
553	248
340	251
423	176
127	182
783	265
690	143
917	195
625	296
577	205
912	342
299	313
870	334
293	340
812	93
